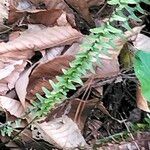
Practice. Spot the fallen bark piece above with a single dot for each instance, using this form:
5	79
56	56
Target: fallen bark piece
62	132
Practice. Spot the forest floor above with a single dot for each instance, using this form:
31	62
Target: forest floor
107	108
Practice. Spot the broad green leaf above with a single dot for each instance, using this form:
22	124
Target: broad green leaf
142	71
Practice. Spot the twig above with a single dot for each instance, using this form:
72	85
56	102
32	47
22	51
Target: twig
131	135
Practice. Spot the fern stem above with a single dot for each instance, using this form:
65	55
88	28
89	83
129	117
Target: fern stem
84	59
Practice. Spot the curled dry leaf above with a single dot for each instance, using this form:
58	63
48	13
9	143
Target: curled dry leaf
62	132
108	68
51	17
21	85
14	107
18	9
44	38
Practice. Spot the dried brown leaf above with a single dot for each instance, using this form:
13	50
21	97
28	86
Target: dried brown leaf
82	8
62	132
44	38
47	17
95	2
23	81
9	81
141	101
21	85
14	107
54	4
43	72
142	42
51	54
73	49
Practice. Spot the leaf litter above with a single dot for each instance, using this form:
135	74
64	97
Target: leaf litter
49	27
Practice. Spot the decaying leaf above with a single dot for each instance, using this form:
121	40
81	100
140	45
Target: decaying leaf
22	5
95	2
73	49
47	17
76	109
141	101
53	4
11	65
108	68
14	107
6	71
21	85
44	38
10	73
44	72
62	132
142	42
51	54
82	7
